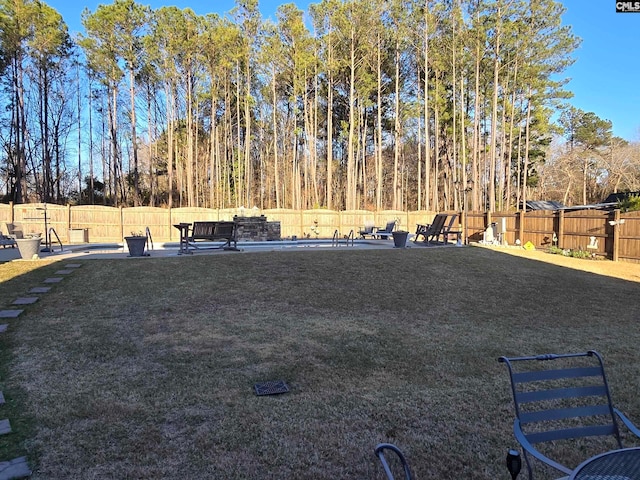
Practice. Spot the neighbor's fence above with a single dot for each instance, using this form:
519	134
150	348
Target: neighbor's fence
615	235
605	233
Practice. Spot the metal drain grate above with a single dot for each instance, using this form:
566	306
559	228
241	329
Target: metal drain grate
271	388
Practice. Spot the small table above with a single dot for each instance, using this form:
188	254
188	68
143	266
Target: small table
184	237
621	464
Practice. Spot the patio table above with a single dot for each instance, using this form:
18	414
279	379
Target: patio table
184	237
623	464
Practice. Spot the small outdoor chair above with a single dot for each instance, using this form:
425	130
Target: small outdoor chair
449	229
387	231
7	241
561	400
387	469
367	230
432	230
14	230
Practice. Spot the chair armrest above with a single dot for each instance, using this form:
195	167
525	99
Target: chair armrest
530	449
627	423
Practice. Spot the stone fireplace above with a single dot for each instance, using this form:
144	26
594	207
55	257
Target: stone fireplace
256	229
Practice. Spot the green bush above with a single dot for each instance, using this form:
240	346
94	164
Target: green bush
579	253
629	204
556	250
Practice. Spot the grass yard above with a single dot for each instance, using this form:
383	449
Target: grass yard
144	368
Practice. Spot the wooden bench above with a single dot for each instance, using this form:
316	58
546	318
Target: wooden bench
212	232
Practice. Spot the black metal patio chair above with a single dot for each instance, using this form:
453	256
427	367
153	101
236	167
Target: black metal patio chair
560	399
380	449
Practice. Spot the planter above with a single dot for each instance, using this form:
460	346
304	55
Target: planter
29	248
136	246
400	238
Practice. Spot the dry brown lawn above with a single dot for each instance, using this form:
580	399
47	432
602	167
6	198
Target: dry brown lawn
144	368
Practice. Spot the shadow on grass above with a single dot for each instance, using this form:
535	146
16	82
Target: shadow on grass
16	279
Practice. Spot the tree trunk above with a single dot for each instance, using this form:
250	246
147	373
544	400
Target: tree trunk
494	119
427	139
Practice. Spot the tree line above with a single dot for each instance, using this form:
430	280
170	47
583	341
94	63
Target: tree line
374	104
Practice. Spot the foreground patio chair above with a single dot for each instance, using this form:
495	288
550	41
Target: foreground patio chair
558	398
403	461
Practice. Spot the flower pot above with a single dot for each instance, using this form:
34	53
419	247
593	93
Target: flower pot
136	246
400	238
29	248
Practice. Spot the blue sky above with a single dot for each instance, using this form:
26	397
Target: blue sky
604	78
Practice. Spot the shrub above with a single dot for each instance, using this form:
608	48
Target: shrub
556	250
629	204
579	253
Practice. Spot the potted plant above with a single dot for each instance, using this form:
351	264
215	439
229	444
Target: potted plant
136	243
400	238
29	246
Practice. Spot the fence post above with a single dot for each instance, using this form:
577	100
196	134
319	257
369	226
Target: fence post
616	235
521	226
560	228
121	222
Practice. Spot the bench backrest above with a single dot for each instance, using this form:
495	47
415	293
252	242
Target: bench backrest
225	229
203	229
213	230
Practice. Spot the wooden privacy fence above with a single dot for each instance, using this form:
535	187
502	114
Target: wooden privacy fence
606	233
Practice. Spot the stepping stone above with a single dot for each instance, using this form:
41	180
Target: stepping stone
53	280
39	289
5	427
64	272
25	301
16	468
10	313
73	265
3	327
